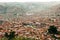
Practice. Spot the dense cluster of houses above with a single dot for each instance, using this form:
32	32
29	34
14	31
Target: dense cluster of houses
29	28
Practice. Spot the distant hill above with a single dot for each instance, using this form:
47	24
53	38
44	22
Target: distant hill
53	11
14	9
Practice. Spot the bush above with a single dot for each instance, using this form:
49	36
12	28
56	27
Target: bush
19	38
10	36
52	30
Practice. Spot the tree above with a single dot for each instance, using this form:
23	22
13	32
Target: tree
10	36
52	30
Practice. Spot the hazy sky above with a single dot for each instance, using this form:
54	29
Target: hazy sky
27	0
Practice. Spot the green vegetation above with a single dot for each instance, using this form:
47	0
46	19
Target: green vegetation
10	36
19	38
53	30
13	36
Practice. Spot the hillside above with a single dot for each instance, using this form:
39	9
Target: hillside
14	10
